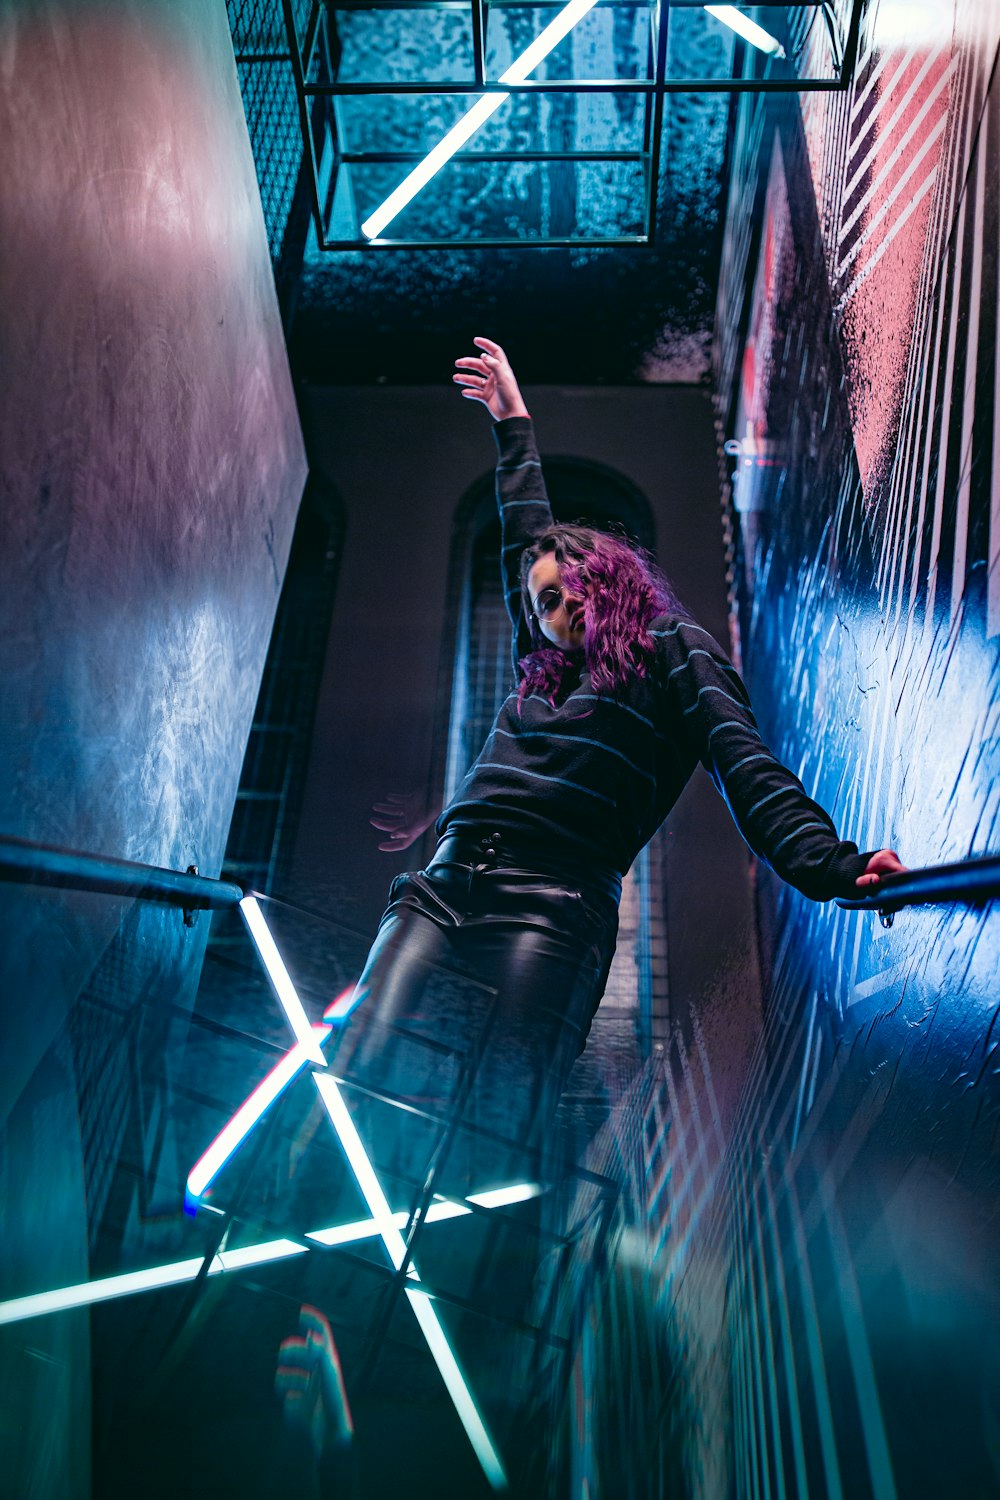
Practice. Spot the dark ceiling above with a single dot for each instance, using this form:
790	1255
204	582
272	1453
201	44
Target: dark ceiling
582	315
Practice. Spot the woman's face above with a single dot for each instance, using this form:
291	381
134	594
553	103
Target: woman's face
557	607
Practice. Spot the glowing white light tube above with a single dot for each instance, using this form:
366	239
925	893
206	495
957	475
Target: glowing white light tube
432	162
546	40
475	117
437	1342
747	29
439	1210
235	1132
519	1192
85	1293
343	1004
281	980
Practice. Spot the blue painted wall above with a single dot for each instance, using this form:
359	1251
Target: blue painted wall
152	464
856	355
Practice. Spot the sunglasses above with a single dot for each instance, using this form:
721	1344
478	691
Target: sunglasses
548	601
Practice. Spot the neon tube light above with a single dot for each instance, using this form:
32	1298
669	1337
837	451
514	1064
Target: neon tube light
440	1210
475	117
86	1293
437	1342
175	1273
544	42
281	980
388	1226
747	29
233	1134
348	1000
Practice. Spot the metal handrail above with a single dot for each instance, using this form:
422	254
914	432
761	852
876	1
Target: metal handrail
75	869
973	882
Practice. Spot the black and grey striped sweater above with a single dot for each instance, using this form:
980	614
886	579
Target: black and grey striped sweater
591	777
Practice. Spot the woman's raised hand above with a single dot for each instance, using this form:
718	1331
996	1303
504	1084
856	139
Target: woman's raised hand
487	377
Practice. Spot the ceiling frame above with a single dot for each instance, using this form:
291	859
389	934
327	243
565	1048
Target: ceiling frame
325	159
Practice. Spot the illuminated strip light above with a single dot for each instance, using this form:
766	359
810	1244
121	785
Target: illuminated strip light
86	1293
233	1134
475	117
430	1326
281	980
747	29
439	1210
175	1273
348	1000
308	1049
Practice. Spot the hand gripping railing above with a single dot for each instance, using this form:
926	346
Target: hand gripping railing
46	864
970	882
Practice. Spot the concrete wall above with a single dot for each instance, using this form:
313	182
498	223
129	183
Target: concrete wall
152	464
858	1220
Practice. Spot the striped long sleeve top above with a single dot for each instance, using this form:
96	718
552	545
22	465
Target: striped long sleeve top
591	777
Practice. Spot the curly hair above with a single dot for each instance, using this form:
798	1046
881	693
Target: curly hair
624	592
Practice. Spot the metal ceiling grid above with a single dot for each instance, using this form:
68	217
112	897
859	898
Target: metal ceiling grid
561	146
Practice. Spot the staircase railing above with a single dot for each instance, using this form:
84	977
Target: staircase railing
45	864
969	882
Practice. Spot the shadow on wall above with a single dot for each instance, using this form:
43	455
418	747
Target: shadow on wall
857	1219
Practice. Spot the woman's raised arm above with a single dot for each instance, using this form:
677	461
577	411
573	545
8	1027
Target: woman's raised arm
521	497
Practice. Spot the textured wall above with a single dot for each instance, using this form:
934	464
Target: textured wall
857	1212
151	468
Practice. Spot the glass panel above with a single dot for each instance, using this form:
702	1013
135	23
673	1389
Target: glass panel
698	45
404	44
610	41
701	44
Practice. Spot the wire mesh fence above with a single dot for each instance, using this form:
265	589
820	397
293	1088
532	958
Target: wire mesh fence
267	84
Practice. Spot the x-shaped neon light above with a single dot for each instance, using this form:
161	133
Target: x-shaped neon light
384	1223
308	1048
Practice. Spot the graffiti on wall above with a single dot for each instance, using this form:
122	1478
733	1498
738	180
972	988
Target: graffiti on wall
855	1205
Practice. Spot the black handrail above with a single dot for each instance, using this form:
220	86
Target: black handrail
73	869
972	882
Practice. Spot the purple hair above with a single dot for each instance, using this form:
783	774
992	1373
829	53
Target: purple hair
624	593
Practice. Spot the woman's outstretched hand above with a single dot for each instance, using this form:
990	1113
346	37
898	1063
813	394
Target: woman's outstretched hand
404	818
488	378
885	862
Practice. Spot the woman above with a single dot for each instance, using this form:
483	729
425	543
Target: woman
620	696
